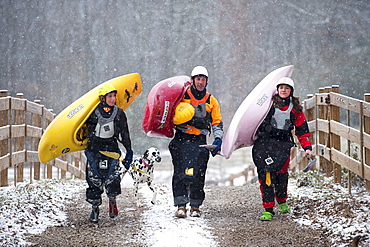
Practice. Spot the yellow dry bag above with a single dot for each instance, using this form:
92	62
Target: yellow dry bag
184	112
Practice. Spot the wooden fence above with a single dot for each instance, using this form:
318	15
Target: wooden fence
339	125
22	123
340	128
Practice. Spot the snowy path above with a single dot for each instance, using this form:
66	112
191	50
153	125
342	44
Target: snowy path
163	229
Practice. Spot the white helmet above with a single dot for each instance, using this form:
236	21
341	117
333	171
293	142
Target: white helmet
199	70
285	81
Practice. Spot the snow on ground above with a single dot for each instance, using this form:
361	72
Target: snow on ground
31	208
163	229
322	204
318	203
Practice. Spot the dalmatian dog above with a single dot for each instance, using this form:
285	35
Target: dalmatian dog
141	170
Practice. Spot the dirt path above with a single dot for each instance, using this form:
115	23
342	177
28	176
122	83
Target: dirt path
231	214
234	213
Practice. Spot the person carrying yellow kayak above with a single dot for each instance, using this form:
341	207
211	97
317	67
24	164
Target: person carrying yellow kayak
107	125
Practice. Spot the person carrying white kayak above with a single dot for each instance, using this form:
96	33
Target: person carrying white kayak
271	150
106	126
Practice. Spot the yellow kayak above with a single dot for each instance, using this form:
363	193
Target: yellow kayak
66	133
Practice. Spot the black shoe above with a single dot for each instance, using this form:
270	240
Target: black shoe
94	216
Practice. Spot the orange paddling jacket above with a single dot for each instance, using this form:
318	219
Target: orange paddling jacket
207	116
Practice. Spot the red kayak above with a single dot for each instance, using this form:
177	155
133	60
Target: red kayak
160	106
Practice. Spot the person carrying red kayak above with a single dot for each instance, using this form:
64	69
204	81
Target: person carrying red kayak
188	158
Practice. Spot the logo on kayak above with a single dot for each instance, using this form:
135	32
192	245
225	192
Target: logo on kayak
171	84
262	100
165	111
53	147
74	111
66	150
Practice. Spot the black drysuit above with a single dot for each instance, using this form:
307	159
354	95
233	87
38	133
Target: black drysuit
102	171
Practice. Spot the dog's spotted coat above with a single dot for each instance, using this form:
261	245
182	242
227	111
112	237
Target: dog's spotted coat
141	170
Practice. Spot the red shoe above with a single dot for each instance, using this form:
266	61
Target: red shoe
113	211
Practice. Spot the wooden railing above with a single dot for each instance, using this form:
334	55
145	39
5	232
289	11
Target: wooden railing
22	123
340	128
338	143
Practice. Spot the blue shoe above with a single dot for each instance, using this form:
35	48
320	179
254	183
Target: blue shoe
94	216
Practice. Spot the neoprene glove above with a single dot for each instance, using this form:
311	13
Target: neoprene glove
128	159
217	142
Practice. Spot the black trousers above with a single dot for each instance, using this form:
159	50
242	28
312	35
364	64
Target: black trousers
190	166
272	155
99	178
278	190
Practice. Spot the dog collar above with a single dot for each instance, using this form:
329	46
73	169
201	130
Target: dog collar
145	164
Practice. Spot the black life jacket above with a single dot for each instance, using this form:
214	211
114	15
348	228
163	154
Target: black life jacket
278	124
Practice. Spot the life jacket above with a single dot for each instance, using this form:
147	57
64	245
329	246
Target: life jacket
278	124
200	107
105	126
202	111
281	120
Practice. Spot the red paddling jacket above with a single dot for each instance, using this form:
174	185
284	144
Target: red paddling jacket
275	139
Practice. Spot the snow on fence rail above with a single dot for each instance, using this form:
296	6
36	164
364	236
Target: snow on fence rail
340	131
22	123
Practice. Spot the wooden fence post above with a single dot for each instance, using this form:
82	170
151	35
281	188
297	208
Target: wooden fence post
48	172
19	143
77	161
327	113
4	147
36	121
367	130
63	173
335	139
349	152
83	162
321	115
323	137
310	115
